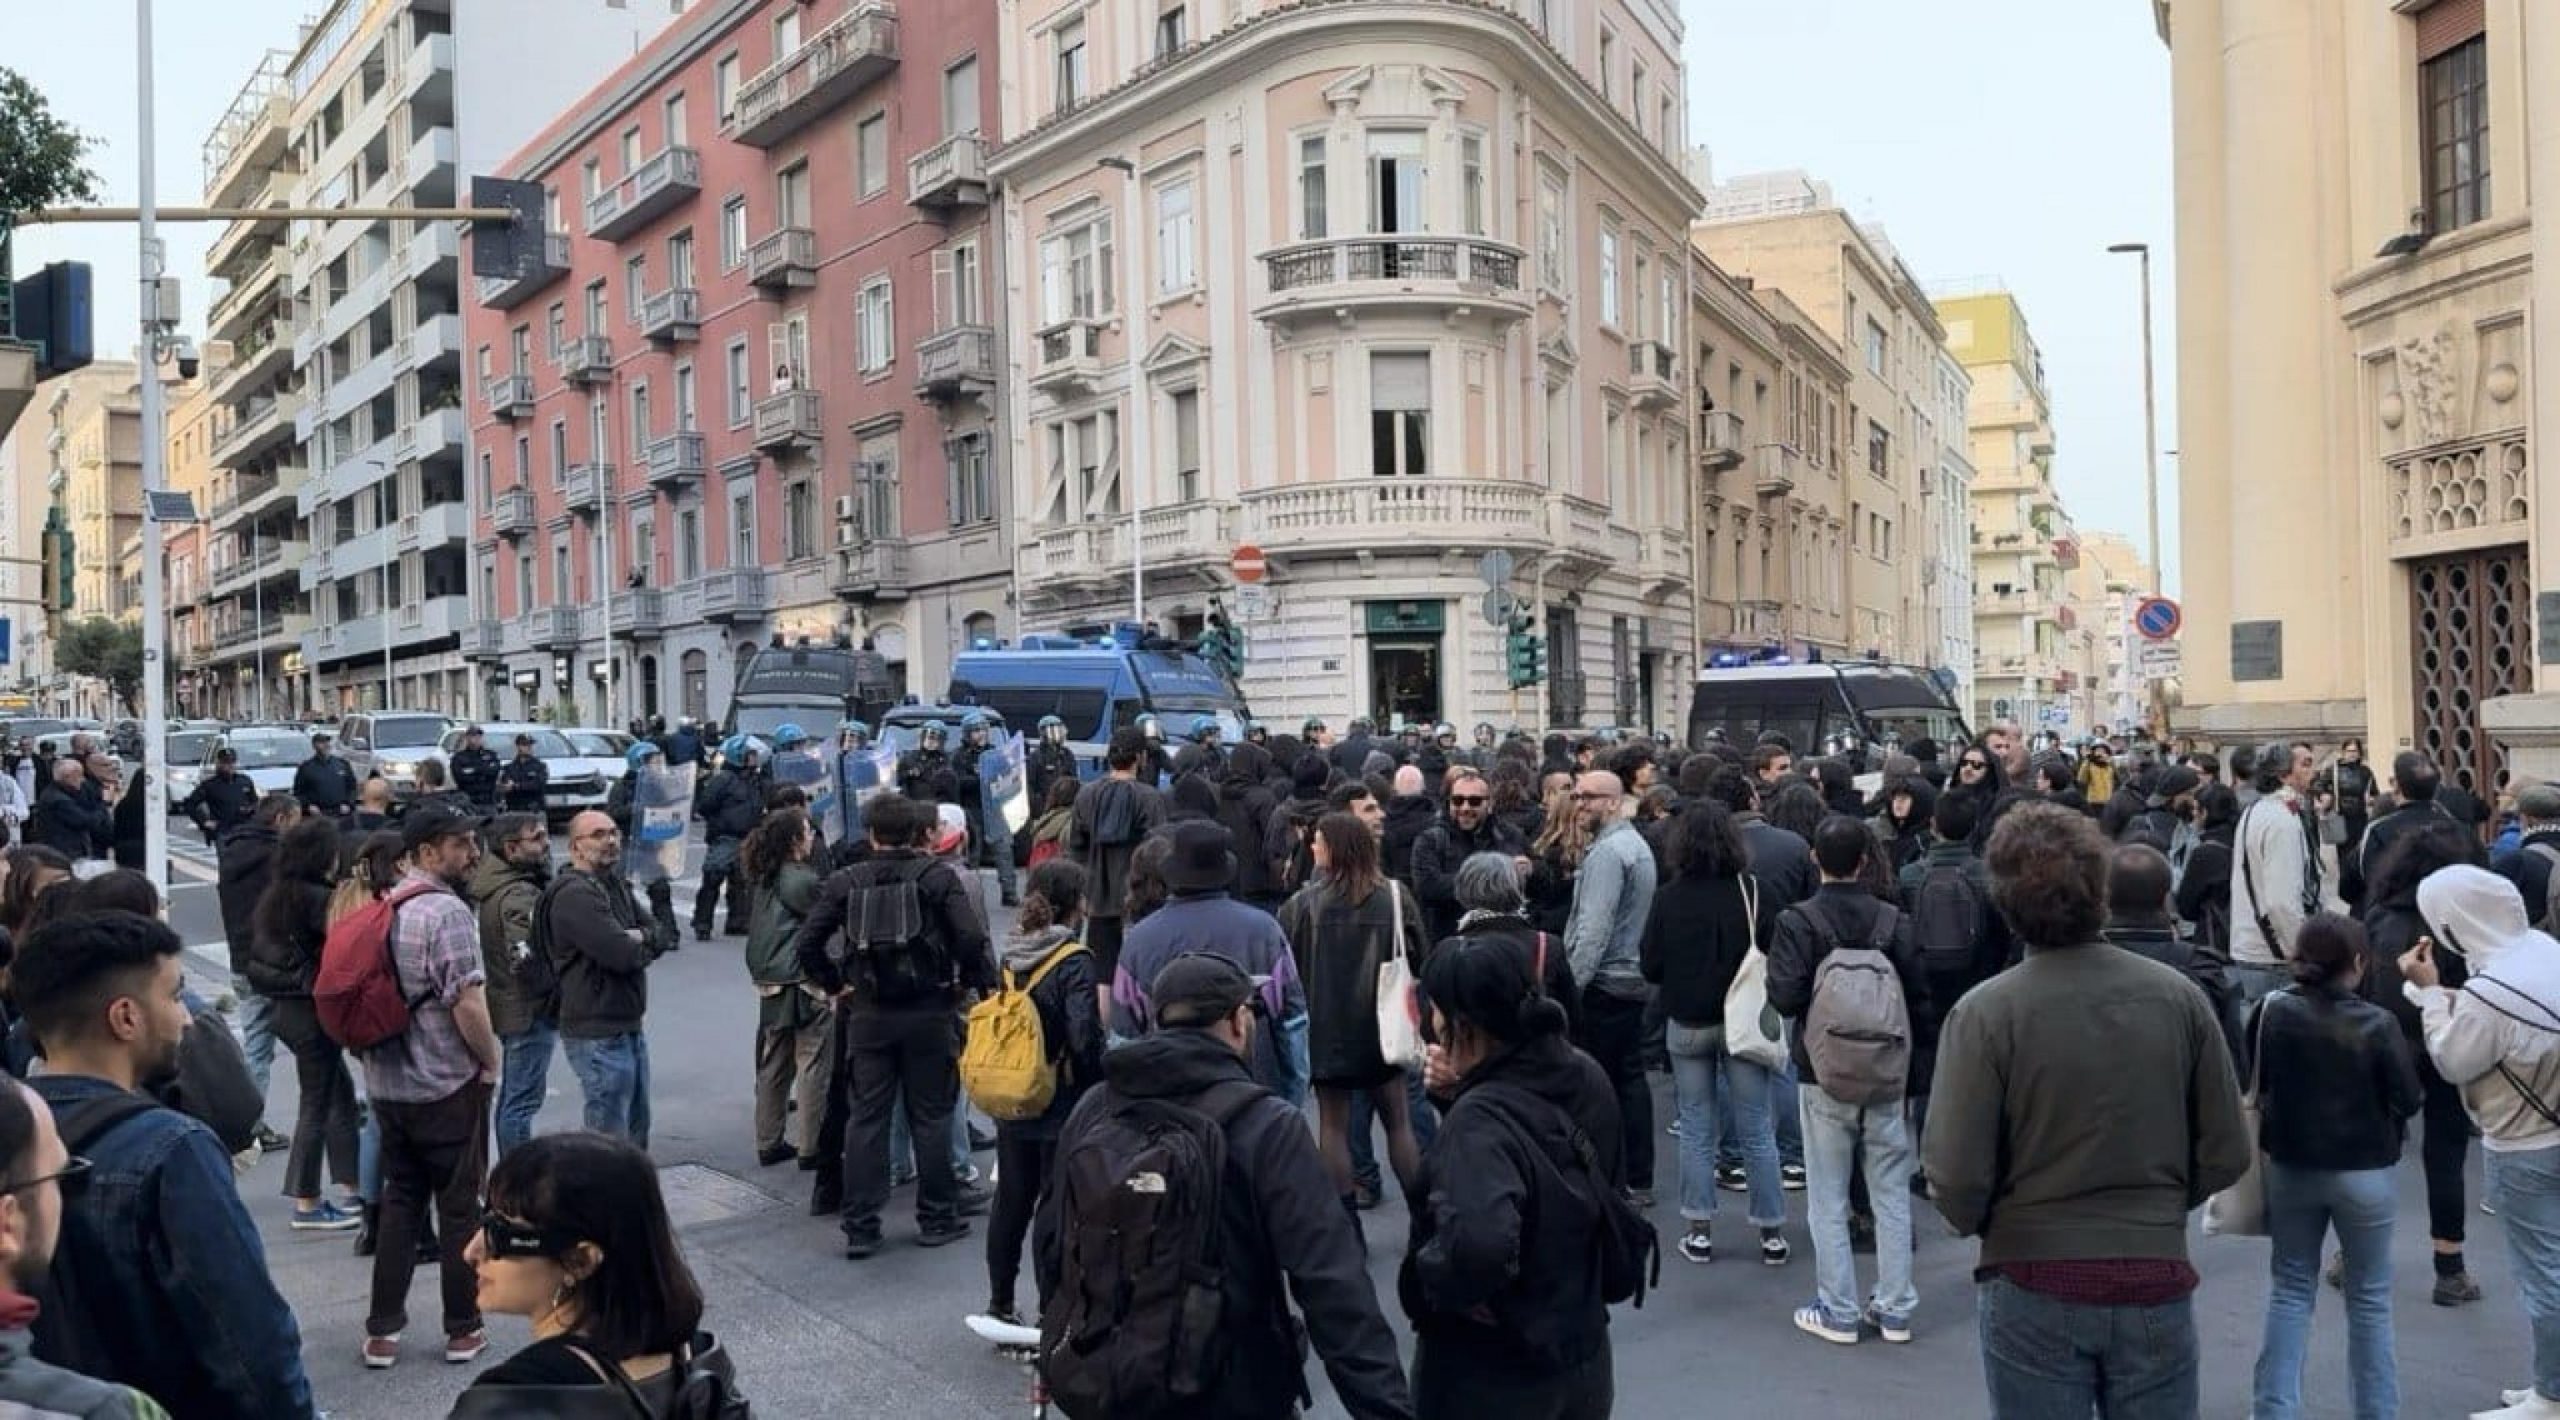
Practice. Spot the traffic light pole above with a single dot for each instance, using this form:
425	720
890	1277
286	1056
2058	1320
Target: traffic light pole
155	622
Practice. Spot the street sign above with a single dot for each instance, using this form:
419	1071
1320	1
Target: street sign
2055	717
1495	568
2157	618
1499	603
1252	602
2158	660
1248	564
4	640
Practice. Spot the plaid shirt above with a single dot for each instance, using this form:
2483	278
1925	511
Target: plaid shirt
435	947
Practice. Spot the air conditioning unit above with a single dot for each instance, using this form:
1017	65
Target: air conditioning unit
844	508
847	534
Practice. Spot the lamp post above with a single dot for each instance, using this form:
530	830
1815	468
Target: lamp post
1135	300
156	333
2150	416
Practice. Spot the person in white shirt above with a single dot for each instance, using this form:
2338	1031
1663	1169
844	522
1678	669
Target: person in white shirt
2275	874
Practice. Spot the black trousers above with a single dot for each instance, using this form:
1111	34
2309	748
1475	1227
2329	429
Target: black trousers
435	1153
1453	1384
1613	1034
892	1055
718	869
325	1122
1022	1174
2440	1154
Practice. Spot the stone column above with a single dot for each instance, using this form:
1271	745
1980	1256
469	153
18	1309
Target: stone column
2529	725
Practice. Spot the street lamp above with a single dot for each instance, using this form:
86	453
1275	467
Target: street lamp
1141	416
2150	417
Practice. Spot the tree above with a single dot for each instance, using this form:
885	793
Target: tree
109	650
40	155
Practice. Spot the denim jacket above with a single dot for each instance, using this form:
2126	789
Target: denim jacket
173	1278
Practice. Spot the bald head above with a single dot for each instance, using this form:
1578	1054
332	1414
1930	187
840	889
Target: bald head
1601	796
1408	781
594	843
2138	881
375	796
67	772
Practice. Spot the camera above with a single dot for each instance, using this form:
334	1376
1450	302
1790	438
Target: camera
182	353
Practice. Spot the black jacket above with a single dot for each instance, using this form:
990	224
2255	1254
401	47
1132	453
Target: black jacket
2379	836
475	772
1407	816
2335	1082
1502	1269
1043	765
523	782
1285	838
1780	859
220	802
1557	975
949	902
2204	891
1283	1236
128	831
729	807
2530	871
927	775
2158	939
600	945
1694	942
1797	948
325	785
1244	808
70	824
283	962
1437	855
243	865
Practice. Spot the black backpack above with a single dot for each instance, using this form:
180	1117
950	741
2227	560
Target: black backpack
890	951
1137	1326
1628	1253
1947	917
65	1331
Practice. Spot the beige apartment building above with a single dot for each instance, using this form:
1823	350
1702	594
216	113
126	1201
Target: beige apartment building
1379	288
196	420
2368	538
95	476
1785	234
2111	580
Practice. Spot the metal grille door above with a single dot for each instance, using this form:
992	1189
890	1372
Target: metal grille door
2471	621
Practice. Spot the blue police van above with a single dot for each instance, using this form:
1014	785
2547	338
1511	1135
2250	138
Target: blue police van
1096	684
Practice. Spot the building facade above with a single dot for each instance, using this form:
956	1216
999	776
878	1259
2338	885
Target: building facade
1378	288
752	390
194	422
2362	504
1946	574
95	477
2110	582
36	461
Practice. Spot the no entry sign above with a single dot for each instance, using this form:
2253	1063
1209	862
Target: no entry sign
1247	564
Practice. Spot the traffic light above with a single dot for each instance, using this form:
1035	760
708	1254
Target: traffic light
1524	653
1222	646
60	571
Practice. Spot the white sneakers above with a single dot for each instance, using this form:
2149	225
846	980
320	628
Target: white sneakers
2524	1404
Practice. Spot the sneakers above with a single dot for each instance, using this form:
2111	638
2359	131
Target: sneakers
943	1234
1732	1179
1896	1329
861	1246
1773	1249
972	1200
1813	1321
464	1348
1791	1177
381	1353
2456	1289
772	1154
1697	1244
327	1217
2524	1404
1640	1197
270	1142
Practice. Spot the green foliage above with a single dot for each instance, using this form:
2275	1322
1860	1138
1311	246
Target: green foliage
40	155
106	649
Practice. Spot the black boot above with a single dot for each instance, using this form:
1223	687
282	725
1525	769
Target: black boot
365	1230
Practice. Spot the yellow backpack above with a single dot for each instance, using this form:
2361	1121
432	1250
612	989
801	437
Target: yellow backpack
1007	1066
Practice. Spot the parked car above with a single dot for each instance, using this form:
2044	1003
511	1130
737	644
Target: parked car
388	745
190	756
268	755
609	748
579	780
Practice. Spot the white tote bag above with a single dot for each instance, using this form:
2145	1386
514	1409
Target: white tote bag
1399	1012
2240	1211
1752	1029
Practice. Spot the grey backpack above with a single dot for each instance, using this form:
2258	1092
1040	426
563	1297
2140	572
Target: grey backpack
1857	1032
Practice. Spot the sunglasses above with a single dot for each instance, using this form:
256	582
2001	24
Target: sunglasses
1466	799
72	1178
503	1236
1975	764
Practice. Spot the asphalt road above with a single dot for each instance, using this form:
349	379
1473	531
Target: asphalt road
816	1335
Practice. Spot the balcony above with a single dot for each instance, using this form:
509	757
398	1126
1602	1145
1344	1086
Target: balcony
435	431
256	358
1778	470
505	293
662	183
1360	514
828	68
784	259
554	628
484	640
1720	439
278	626
788	420
1342	277
511	396
586	359
872	571
949	175
262	423
249	492
1070	357
1653	370
584	487
639	614
736	594
675	461
958	363
269	556
511	513
672	315
2066	553
1666	565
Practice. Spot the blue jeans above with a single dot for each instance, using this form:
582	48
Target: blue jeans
2302	1205
2527	1187
902	1149
613	1071
369	1158
257	1017
2045	1359
1698	1060
1785	1119
524	1079
1832	1133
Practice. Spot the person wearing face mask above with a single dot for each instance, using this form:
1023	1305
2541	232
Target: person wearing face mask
162	1284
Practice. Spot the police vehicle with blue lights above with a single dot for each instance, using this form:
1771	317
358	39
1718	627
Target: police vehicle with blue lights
1863	709
1098	679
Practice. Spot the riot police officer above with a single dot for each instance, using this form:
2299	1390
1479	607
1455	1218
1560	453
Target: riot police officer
925	773
475	770
1050	760
989	834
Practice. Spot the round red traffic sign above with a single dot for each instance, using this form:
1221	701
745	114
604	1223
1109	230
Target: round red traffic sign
2158	618
1247	564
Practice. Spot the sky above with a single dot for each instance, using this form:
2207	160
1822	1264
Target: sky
2010	139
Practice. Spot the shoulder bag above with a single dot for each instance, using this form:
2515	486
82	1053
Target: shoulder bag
1752	1030
1399	1013
2240	1211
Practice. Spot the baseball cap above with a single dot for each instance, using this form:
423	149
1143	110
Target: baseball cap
319	737
428	822
523	738
2541	801
1198	989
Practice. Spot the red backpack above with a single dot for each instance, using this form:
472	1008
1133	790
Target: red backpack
357	992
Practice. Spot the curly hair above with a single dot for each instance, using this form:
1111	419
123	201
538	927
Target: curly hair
774	841
2049	874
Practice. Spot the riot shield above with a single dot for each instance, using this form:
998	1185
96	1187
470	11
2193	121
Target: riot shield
805	765
863	773
1007	793
661	804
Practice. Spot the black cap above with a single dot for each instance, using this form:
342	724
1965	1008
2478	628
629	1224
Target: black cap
428	822
226	755
319	737
524	737
1198	989
2175	780
474	730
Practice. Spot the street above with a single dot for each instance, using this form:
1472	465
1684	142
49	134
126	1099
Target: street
814	1334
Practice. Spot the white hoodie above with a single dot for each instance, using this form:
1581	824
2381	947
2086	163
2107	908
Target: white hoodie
2503	1026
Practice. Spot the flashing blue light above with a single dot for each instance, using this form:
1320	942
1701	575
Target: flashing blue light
983	643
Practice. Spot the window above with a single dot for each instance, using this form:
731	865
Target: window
483	359
1177	258
1669	137
798	520
1666	307
1608	277
1084	469
1311	195
673	108
527	595
680	261
1644	278
524	462
488	480
1171	31
597	420
635	283
741	401
972	494
1879	450
1636	99
563	593
1551	247
1075	272
591	178
555	327
1396	177
724	87
560	452
640	414
791	196
875	332
956	281
644	548
1876	348
871	154
875	490
960	97
1066	74
684	398
1471	195
1613	452
521	341
733	233
688	544
2454	94
1186	445
742	528
1399	414
786	33
631	150
1608	64
595	308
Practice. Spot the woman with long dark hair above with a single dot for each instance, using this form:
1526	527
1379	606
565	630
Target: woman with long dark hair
791	1017
1342	928
1046	957
576	1238
2204	889
1555	858
1501	1277
286	931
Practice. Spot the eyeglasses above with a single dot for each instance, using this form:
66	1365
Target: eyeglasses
1465	800
72	1178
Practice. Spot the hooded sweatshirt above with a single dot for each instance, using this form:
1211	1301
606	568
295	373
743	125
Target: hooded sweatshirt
1070	1023
2501	1028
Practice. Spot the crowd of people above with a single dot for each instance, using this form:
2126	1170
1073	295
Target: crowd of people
1252	992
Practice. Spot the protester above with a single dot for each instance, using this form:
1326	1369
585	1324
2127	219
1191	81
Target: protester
67	819
2334	1087
2529	864
244	868
522	989
1044	958
2276	878
1612	896
42	1178
1113	815
1199	915
599	945
792	1063
1555	858
1341	929
1467	828
289	928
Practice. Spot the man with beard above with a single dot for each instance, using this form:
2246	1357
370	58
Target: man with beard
164	1285
42	1176
1469	828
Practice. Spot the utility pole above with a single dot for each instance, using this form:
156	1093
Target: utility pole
155	331
1136	301
2150	457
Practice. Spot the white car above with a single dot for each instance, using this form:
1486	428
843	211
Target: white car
578	780
190	758
268	757
610	748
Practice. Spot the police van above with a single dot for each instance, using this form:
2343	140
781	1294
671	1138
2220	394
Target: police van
1096	684
1862	709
